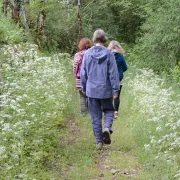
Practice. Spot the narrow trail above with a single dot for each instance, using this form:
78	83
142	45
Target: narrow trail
115	162
114	170
126	158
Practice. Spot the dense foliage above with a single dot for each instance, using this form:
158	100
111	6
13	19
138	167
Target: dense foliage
9	32
35	91
157	103
154	118
158	48
153	26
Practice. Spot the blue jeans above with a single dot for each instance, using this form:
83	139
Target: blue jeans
96	108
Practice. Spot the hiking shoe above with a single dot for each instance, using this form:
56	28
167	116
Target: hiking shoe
99	146
106	136
115	115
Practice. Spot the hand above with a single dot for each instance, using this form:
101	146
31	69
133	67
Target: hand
83	92
79	89
115	97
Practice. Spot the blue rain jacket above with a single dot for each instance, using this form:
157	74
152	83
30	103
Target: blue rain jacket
99	73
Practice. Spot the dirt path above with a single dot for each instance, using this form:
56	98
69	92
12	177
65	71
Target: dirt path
117	161
110	166
82	160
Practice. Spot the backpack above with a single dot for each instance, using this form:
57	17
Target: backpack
78	66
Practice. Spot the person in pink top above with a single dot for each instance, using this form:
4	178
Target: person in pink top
83	45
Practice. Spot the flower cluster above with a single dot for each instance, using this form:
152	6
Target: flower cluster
159	106
33	96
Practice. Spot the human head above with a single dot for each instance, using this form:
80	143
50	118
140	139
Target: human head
99	36
84	44
115	46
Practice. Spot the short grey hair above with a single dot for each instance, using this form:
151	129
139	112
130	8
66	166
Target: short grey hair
99	36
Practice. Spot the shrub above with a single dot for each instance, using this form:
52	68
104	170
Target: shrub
34	95
157	118
9	31
158	48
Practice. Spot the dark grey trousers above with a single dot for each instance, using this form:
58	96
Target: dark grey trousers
83	104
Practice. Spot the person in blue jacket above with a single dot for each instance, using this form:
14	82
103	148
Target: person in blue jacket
118	52
100	83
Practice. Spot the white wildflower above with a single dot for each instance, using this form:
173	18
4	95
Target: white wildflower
158	128
2	150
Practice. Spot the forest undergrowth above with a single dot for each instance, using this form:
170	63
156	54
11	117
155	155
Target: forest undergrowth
43	135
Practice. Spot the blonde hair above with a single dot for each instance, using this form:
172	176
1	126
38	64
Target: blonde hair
115	46
99	36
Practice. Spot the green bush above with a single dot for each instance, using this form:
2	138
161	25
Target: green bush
151	108
35	92
176	73
158	49
9	31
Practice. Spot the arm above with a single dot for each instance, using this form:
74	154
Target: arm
83	74
113	75
124	65
76	59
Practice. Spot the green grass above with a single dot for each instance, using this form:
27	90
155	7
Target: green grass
77	151
126	158
79	158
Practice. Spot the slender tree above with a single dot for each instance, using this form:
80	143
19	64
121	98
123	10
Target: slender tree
1	78
25	16
41	26
5	6
16	7
79	18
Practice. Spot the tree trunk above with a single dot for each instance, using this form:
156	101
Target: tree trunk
79	19
41	28
5	6
26	22
1	79
16	7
